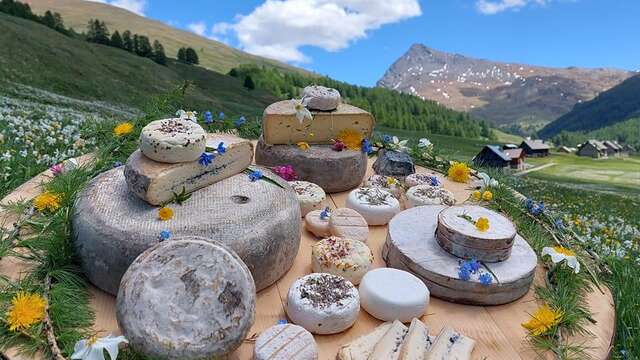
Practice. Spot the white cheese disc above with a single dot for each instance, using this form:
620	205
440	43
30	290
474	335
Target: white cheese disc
420	195
188	298
322	98
310	196
316	225
388	183
348	223
348	258
416	343
323	303
172	140
285	342
389	294
362	347
388	348
421	179
377	206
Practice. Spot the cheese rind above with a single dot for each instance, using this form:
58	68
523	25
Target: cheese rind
172	140
316	225
362	347
388	348
156	182
280	125
348	258
309	194
285	342
377	206
416	343
348	223
451	345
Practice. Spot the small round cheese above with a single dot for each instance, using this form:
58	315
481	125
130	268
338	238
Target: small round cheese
285	342
316	225
377	206
310	196
421	179
323	303
348	223
173	140
322	98
391	294
388	183
429	195
348	258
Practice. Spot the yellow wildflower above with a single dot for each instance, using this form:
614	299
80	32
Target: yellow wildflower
165	213
26	309
122	129
351	138
487	195
391	181
482	224
543	320
304	146
459	172
47	201
476	195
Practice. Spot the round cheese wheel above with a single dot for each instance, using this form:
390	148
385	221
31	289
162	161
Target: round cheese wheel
173	140
310	196
429	195
421	179
391	294
376	205
322	98
348	223
258	220
285	342
188	298
323	303
316	225
348	258
388	183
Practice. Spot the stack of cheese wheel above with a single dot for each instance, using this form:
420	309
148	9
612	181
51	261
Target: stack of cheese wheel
348	258
376	205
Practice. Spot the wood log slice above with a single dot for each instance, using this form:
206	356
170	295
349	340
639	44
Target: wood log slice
258	220
411	245
461	238
333	171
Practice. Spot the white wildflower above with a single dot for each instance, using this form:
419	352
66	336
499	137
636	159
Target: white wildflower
559	254
93	348
302	113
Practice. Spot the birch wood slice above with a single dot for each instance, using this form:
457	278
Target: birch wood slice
461	238
258	220
411	245
333	171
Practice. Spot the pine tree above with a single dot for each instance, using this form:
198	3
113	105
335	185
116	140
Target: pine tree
233	72
49	20
116	40
144	47
127	41
182	55
158	53
136	44
98	32
248	83
191	56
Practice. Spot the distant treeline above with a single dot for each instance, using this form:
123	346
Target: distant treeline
390	108
52	20
626	132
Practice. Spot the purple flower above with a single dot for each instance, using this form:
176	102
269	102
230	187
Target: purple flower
208	117
486	279
206	159
57	169
165	235
255	175
286	172
221	148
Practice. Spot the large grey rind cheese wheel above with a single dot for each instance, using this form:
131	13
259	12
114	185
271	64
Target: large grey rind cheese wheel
188	298
411	245
258	220
333	171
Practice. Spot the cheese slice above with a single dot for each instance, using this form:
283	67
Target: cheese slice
362	347
156	182
451	345
388	348
417	342
280	125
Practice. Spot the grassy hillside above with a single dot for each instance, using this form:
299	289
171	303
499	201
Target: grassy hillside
37	56
213	54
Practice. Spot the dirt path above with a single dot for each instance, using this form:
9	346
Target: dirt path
534	169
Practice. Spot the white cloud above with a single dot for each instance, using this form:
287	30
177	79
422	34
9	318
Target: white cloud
279	28
198	27
490	7
135	6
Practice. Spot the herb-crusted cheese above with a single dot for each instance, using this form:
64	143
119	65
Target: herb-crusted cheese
377	206
348	258
280	125
172	140
285	342
420	195
309	194
157	182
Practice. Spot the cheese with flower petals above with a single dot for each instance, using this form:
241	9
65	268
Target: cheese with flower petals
348	258
309	194
157	182
281	126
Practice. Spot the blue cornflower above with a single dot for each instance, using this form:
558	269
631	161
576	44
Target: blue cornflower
221	116
221	148
464	273
255	175
386	138
208	117
324	214
474	265
165	235
117	164
559	224
486	279
240	121
435	181
528	204
206	159
282	321
366	146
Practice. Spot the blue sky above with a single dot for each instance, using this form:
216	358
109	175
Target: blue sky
371	34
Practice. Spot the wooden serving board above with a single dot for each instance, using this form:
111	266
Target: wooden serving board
496	329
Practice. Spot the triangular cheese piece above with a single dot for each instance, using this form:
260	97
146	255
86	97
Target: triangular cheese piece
416	343
362	347
388	348
451	345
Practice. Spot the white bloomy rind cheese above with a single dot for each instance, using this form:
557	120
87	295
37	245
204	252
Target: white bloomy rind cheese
321	98
317	225
376	206
418	179
451	345
347	223
309	194
323	303
348	258
388	348
280	125
388	183
362	347
416	343
420	195
389	294
285	342
156	182
173	140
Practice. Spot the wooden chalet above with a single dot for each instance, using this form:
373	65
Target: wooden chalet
535	148
613	148
592	148
491	156
517	158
